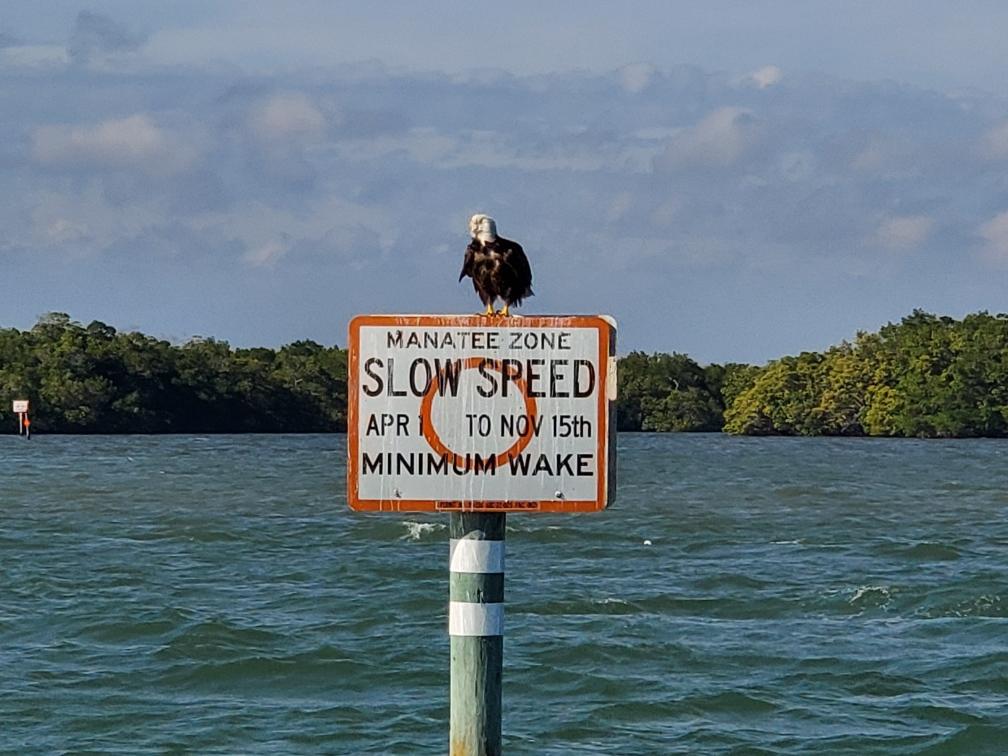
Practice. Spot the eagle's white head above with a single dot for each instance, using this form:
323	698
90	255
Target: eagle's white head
482	227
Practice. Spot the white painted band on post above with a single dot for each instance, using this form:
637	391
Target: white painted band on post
470	555
465	618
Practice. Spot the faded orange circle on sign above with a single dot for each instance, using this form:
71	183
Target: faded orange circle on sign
434	439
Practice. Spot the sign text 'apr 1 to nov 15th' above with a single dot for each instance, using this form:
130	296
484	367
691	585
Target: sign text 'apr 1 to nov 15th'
452	413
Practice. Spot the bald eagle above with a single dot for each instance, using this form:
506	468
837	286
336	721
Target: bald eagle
497	266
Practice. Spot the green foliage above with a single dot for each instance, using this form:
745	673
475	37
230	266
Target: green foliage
732	380
95	380
926	376
668	392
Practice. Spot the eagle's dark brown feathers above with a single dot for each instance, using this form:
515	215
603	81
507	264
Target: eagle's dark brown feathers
499	269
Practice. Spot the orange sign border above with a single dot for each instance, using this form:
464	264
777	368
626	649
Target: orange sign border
605	450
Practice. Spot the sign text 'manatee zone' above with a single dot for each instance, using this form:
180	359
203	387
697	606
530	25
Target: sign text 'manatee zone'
478	339
543	378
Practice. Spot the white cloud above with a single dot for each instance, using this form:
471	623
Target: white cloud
872	157
720	139
495	150
765	77
327	225
96	34
796	166
84	221
995	232
297	173
33	56
636	77
64	231
661	253
619	206
904	231
891	155
134	142
668	212
995	142
288	115
268	252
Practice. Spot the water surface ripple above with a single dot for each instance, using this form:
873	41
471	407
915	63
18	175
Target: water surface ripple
215	595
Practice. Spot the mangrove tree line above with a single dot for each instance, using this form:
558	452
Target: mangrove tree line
926	376
93	379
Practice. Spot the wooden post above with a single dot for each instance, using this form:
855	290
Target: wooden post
476	627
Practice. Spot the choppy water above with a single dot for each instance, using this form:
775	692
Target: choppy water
214	595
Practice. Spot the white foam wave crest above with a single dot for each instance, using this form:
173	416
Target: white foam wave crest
878	593
417	530
610	600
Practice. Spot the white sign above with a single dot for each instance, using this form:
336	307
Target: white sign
20	405
474	413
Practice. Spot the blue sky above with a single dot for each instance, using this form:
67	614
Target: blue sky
736	181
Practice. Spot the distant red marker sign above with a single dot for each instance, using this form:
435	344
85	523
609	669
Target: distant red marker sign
467	413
